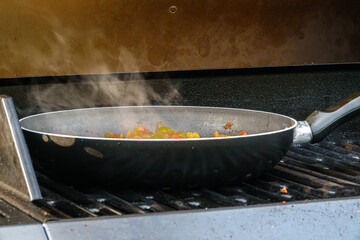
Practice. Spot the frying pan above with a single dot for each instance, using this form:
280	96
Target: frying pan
70	144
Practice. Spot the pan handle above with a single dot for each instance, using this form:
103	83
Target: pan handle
323	122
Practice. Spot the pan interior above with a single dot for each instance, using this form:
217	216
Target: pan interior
94	122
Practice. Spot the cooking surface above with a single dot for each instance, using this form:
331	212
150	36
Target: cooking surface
309	171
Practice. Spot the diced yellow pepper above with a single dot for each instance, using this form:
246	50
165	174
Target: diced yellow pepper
192	135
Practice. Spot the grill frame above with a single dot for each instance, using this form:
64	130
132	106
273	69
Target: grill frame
260	221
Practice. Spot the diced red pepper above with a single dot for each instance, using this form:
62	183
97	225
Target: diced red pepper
175	136
141	129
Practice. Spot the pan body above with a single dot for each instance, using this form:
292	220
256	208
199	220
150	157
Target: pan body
70	146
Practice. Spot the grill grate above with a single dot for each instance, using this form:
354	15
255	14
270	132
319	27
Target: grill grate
308	171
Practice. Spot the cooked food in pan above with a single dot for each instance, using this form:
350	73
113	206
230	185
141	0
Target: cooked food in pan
163	132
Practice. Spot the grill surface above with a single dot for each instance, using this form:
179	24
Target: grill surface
308	171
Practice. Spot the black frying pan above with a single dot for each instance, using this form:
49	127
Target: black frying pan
70	144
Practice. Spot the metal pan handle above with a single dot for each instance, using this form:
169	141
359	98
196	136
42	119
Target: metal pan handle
323	122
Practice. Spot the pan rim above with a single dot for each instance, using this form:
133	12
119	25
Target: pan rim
293	126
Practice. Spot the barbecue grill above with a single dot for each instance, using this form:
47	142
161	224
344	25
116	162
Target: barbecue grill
322	180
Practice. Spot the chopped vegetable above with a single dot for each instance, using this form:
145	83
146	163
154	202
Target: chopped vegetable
113	135
141	129
216	134
283	190
163	132
192	135
159	125
228	125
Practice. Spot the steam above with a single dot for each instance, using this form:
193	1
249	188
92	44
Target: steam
55	55
101	91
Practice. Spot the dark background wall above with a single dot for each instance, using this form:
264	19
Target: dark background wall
68	37
292	91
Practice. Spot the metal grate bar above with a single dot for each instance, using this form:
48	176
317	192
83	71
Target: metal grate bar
275	184
142	201
334	155
328	162
322	172
238	195
166	199
355	156
346	164
327	171
195	199
69	208
220	199
351	148
66	195
49	208
262	193
115	202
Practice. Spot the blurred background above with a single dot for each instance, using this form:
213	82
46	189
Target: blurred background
74	37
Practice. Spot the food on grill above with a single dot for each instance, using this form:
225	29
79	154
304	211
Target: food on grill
283	190
113	135
162	132
216	134
192	135
228	125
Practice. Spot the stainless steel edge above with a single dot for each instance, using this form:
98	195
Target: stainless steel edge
330	219
33	231
294	123
302	133
22	150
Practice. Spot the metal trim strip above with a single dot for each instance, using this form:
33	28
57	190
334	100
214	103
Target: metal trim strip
330	219
21	149
33	231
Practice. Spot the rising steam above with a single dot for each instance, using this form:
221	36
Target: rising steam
101	90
